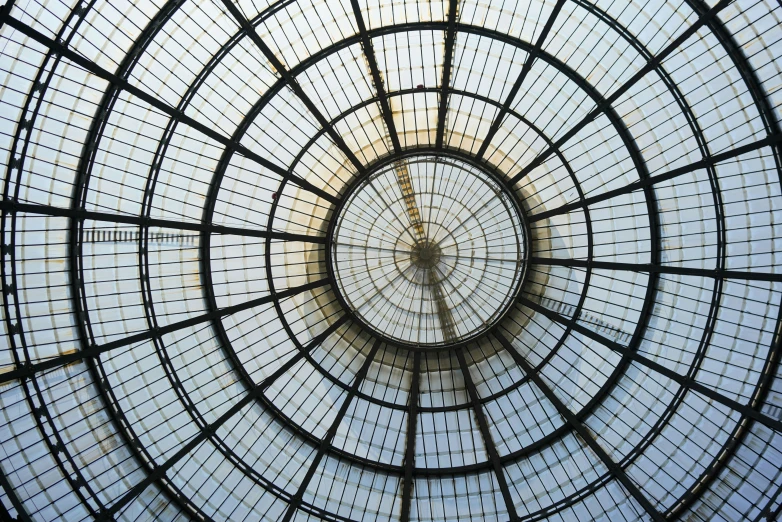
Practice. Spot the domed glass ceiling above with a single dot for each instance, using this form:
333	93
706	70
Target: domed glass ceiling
447	260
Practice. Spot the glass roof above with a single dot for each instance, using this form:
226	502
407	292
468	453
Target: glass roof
397	260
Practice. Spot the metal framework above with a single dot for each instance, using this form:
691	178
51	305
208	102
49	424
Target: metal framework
606	104
412	427
582	430
683	381
491	448
263	314
525	69
445	81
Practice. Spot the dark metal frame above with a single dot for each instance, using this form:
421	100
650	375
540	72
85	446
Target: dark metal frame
331	433
534	52
290	80
122	84
773	129
488	442
684	381
27	370
77	213
210	430
445	81
650	268
377	78
492	172
34	397
608	102
412	428
581	429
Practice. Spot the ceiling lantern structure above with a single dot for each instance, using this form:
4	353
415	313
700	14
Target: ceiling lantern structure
449	260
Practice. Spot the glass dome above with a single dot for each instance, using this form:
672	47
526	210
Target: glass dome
395	261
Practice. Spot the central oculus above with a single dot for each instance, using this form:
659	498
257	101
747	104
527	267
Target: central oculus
425	254
427	251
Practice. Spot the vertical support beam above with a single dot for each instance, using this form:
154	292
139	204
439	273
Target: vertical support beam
292	83
211	429
681	380
325	443
483	425
608	102
445	82
582	430
495	126
412	427
377	79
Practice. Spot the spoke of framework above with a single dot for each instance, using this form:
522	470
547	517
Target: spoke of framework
412	427
659	178
331	433
609	101
102	73
658	269
582	430
108	217
525	69
686	382
488	442
62	360
377	79
211	429
445	81
292	83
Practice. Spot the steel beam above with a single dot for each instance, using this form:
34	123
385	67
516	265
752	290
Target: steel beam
483	425
210	430
21	513
609	101
47	210
687	382
5	11
100	72
658	425
412	428
525	69
82	324
61	360
445	81
715	159
772	126
292	83
581	429
325	443
59	450
377	79
658	269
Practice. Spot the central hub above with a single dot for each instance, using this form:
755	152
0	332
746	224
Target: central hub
425	254
427	251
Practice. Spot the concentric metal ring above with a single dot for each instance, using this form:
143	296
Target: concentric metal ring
185	335
428	251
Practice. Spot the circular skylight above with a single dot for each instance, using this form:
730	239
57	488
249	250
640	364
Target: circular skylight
391	261
428	251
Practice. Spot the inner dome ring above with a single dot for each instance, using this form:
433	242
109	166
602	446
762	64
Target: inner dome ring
427	251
